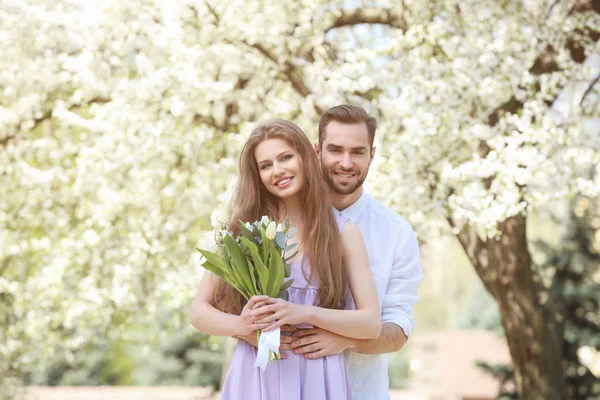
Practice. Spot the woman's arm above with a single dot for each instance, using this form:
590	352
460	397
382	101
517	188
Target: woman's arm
362	323
365	321
206	318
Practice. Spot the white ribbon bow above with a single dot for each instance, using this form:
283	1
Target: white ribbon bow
268	341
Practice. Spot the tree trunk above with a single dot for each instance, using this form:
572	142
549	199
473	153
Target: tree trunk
530	316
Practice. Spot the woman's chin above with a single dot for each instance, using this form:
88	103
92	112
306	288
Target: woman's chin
286	194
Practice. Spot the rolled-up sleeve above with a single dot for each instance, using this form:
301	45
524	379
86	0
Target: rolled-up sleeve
406	274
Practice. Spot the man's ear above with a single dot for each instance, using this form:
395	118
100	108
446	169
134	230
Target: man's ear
372	155
317	149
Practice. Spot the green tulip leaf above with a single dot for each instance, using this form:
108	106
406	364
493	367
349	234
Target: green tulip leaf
261	269
277	271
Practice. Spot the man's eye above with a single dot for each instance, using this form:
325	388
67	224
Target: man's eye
335	150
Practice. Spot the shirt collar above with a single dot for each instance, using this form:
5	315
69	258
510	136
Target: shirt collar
353	211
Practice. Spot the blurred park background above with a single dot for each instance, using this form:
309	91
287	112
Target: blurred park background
120	126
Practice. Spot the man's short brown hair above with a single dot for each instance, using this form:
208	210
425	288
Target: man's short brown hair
347	114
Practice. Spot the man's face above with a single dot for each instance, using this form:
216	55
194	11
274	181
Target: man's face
345	156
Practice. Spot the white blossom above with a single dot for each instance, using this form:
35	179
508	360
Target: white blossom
121	123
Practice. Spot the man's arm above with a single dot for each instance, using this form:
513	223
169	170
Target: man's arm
317	343
392	338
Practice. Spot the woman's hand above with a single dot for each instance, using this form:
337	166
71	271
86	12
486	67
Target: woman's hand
253	310
282	312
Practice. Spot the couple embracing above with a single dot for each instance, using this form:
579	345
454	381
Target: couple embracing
355	277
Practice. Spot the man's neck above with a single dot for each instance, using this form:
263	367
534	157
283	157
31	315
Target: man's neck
343	201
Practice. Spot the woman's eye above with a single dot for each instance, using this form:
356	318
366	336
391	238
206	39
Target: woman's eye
286	157
264	166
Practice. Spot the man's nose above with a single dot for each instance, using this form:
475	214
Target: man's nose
346	161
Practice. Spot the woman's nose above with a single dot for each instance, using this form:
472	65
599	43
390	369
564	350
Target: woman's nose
277	169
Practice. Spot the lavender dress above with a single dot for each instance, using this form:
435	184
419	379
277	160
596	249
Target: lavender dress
294	378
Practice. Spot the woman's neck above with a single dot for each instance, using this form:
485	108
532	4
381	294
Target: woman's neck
291	209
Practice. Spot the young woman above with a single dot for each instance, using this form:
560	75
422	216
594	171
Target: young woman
280	177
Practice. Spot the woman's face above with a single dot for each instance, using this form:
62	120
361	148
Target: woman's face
280	168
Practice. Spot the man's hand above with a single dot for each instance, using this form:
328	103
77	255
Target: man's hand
285	340
316	343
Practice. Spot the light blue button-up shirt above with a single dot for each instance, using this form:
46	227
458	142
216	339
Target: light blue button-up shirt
395	262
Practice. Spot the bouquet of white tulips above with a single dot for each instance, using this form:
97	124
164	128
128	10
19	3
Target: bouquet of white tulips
255	264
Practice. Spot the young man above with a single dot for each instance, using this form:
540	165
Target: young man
346	135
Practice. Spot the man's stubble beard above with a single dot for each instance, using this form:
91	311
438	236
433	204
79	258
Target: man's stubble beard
327	174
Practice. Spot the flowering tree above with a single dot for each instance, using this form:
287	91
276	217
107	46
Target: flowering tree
120	124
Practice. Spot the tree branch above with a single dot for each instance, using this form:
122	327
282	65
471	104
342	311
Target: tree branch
589	89
391	17
546	63
212	11
585	5
510	107
289	70
4	140
15	131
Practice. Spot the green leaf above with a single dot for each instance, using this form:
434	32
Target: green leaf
226	273
288	269
225	254
286	285
214	259
276	269
291	246
252	275
292	232
230	280
243	226
261	268
248	243
266	243
217	271
283	295
241	290
256	233
267	255
280	239
239	264
247	233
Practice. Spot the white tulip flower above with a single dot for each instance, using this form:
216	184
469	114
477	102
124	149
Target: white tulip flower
271	230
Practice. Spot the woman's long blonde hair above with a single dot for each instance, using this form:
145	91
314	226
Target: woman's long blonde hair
321	242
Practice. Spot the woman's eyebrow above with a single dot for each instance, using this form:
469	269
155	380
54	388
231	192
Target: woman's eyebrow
277	156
